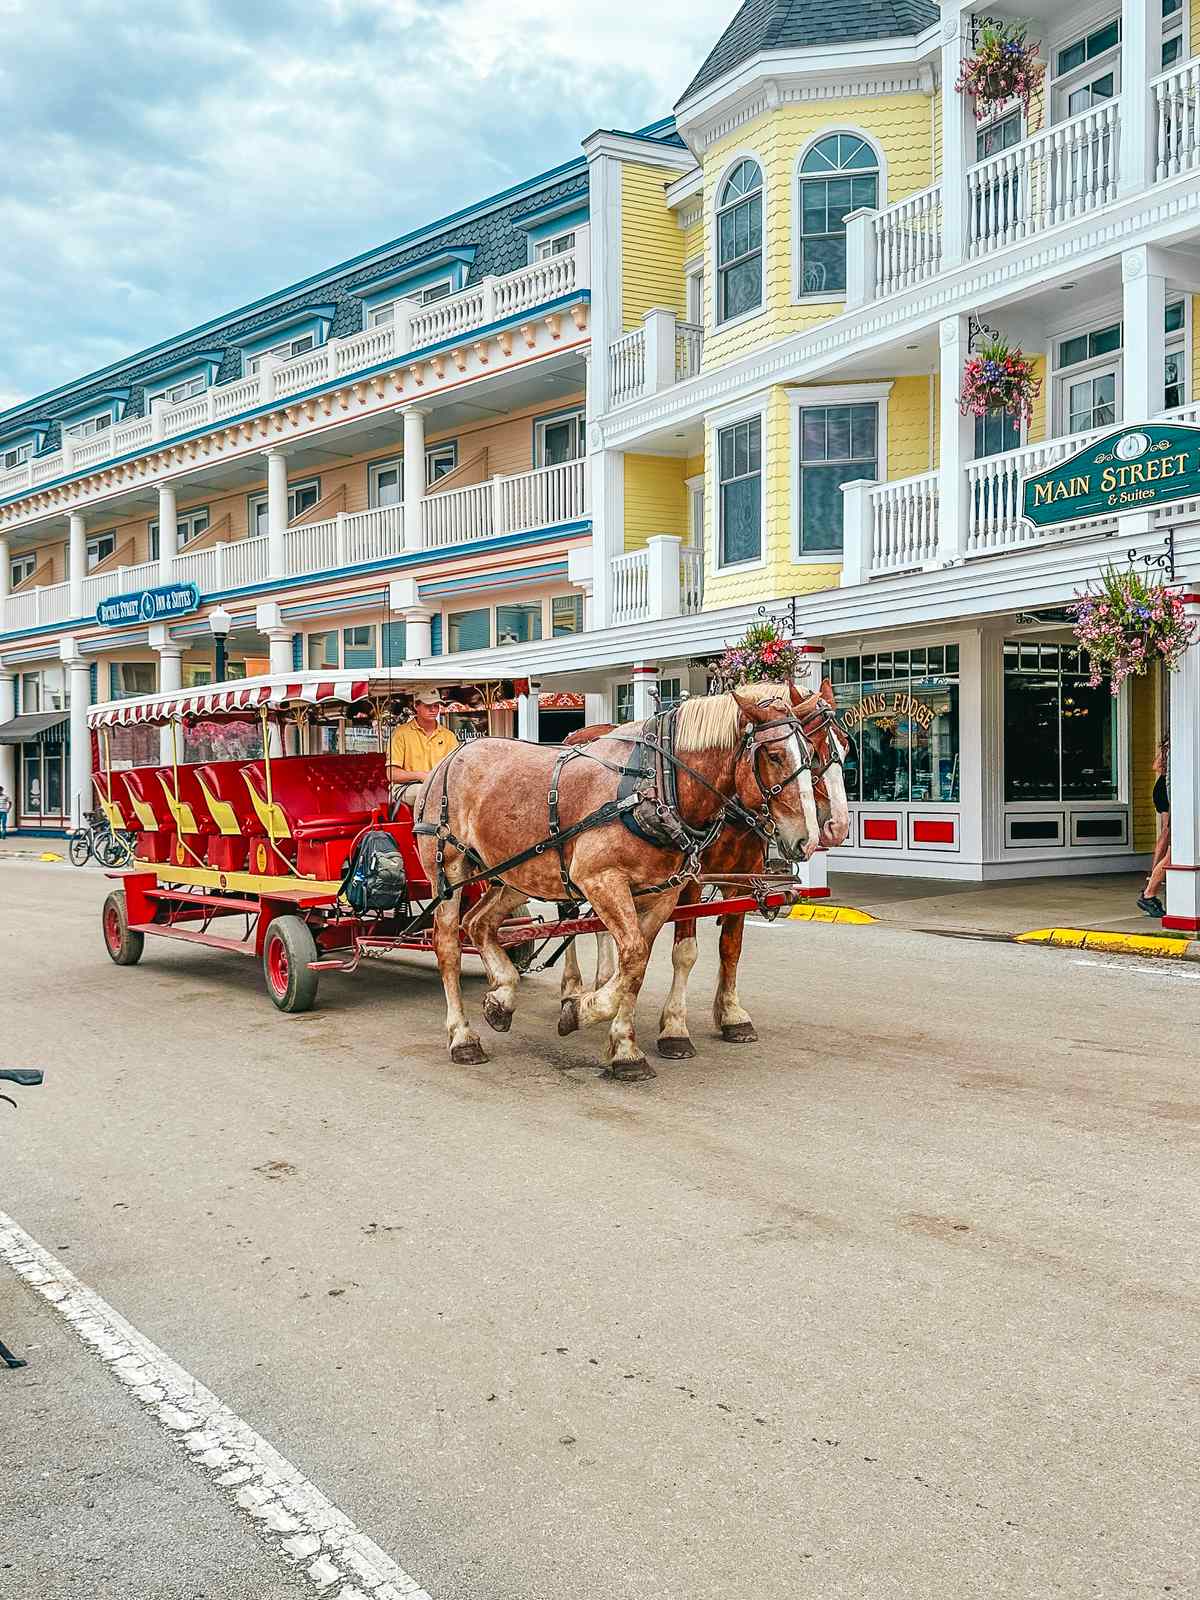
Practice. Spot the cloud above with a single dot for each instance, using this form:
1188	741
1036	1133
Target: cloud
165	165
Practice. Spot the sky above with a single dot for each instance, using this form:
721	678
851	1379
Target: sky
166	163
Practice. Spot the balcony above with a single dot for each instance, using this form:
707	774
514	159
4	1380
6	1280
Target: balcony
656	356
665	579
416	328
897	527
520	502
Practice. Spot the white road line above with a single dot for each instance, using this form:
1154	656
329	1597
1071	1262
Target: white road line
294	1518
1139	967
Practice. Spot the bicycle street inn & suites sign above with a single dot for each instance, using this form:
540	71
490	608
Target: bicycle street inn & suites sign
148	605
1141	466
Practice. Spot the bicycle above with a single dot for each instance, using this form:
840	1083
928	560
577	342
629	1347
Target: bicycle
26	1077
111	847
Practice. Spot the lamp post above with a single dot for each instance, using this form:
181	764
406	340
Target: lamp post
220	621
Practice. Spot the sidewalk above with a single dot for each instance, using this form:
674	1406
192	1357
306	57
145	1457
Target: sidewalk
1104	902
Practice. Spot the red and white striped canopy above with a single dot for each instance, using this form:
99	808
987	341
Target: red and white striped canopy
233	700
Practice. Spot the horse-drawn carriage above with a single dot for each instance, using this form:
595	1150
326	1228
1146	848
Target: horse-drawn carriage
270	831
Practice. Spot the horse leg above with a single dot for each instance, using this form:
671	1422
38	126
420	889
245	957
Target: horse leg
606	959
634	934
734	1023
569	992
465	1048
480	927
674	1042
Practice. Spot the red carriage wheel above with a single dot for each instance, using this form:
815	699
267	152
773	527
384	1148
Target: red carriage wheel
287	951
123	944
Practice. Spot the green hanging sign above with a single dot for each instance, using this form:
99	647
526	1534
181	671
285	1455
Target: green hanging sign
1141	466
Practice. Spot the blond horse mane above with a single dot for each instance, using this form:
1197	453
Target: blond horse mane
713	721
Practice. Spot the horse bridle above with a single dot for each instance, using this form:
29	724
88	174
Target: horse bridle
823	719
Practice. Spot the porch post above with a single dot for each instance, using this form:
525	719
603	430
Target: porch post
645	682
1141	60
957	443
1144	306
528	707
1183	875
813	874
662	553
170	676
5	570
78	692
858	531
861	250
277	513
168	531
414	473
268	619
76	564
8	754
958	138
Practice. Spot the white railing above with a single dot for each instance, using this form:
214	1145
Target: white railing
691	581
1055	176
994	520
47	467
188	414
15	478
230	399
99	448
121	580
373	535
627	366
905	523
132	435
245	562
630	587
542	498
307	371
908	241
1176	99
689	349
457	515
443	319
535	284
312	548
49	603
365	349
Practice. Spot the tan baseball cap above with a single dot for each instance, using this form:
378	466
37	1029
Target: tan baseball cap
427	697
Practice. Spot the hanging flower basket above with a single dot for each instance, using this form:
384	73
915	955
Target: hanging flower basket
762	655
999	378
1004	66
1127	624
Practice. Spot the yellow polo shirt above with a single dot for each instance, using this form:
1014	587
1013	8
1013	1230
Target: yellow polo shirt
414	751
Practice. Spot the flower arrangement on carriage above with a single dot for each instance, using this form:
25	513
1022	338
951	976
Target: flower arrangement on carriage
1127	624
1002	66
999	377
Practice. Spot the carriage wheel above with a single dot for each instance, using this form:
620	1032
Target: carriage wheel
123	944
288	949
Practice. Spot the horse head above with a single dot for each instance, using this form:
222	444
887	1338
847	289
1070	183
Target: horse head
830	744
774	769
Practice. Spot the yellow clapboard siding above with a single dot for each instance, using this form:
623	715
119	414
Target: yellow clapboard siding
693	239
655	498
909	448
1037	423
652	246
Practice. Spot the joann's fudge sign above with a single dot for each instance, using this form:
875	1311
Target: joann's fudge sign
148	605
1133	470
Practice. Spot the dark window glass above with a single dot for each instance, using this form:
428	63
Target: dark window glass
996	432
1059	734
470	630
838	176
739	243
739	455
837	445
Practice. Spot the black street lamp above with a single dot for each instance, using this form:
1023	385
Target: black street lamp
220	621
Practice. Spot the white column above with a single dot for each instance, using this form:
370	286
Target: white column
418	633
1183	875
958	136
1144	301
8	755
662	553
861	247
607	472
659	326
957	443
858	531
414	474
1141	60
595	709
168	531
76	564
528	706
79	693
813	874
268	620
277	513
5	570
645	682
170	676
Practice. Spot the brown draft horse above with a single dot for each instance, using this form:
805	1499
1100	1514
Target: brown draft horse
736	850
489	802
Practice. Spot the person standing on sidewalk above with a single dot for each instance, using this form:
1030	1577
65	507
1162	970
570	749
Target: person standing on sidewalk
5	808
1148	900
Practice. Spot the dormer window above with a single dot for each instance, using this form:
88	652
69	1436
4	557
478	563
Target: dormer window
739	243
560	245
183	391
287	351
382	316
16	456
90	427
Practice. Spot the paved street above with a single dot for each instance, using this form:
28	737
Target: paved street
902	1303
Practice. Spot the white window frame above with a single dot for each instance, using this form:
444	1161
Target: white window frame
93	548
185	527
826	296
578	605
303	344
175	393
715	208
87	429
254	501
1062	376
1180	342
693	279
818	398
22	567
554	244
15	456
573	414
718	424
446	450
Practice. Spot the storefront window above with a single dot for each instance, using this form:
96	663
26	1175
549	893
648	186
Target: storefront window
1060	736
901	708
518	624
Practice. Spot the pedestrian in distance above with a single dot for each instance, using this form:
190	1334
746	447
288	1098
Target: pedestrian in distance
5	808
1148	900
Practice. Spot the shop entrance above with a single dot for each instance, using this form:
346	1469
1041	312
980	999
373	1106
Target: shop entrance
41	789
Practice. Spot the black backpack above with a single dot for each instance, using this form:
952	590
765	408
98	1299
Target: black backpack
375	879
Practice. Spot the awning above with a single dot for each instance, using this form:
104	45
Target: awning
239	698
32	728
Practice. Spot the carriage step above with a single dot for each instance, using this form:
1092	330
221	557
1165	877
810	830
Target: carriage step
214	941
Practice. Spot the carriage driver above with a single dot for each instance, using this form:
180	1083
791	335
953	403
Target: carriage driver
418	744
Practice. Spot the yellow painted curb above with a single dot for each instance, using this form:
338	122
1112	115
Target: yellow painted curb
819	913
1129	944
48	855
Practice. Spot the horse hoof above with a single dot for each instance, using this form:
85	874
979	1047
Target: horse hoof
631	1071
675	1049
568	1018
471	1054
739	1033
496	1016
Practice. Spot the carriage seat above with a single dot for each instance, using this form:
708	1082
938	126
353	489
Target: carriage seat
320	797
154	822
189	811
228	802
112	798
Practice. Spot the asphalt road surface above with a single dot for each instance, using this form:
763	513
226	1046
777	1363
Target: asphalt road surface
903	1302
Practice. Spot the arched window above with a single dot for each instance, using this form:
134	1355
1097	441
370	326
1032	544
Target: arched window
739	242
838	175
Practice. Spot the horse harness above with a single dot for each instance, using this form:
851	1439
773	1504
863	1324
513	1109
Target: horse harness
647	803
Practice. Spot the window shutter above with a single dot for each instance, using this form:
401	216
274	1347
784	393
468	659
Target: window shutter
392	654
114	685
435	635
297	652
93	683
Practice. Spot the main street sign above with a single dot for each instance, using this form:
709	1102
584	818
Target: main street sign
148	605
1141	466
